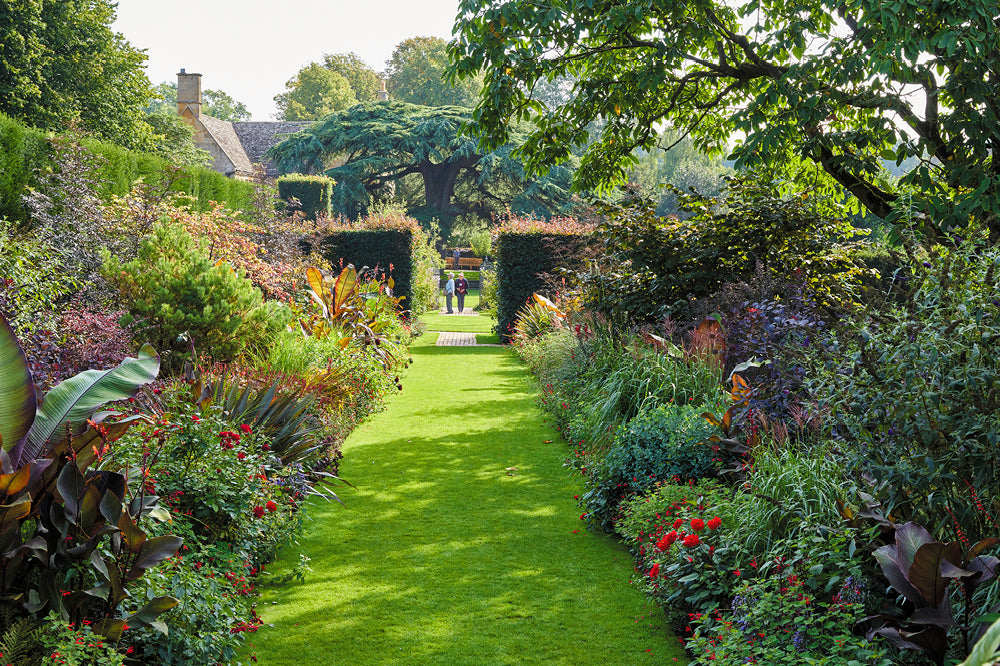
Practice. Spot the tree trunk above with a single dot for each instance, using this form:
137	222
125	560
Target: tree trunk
439	184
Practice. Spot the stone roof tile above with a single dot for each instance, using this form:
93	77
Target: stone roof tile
258	137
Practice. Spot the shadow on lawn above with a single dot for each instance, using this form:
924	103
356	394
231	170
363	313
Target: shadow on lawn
460	531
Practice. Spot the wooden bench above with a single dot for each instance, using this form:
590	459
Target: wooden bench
464	263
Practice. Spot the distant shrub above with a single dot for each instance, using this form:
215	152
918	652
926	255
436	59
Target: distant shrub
527	250
312	192
25	150
656	267
386	243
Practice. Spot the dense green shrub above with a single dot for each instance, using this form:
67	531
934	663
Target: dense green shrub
174	293
24	150
668	442
916	392
528	252
655	267
312	192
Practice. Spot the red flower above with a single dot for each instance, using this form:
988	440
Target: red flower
258	512
655	570
697	524
265	447
714	523
666	540
241	455
271	506
678	523
691	540
245	428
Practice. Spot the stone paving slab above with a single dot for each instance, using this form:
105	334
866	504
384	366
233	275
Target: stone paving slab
467	312
451	339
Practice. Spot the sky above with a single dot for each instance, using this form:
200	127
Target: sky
250	48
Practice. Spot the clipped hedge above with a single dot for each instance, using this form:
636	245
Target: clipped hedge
384	241
24	149
525	250
313	192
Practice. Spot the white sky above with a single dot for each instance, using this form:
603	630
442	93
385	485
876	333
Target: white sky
250	48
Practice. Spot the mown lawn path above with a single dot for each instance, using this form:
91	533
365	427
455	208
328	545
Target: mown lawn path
461	543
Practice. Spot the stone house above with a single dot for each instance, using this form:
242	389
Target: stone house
235	147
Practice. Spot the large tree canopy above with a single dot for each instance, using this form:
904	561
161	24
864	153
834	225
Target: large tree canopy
361	77
416	74
61	63
843	83
313	93
379	143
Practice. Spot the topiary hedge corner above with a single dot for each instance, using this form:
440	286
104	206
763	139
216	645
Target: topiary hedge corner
315	193
526	249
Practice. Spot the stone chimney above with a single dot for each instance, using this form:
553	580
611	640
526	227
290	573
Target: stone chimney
189	96
382	94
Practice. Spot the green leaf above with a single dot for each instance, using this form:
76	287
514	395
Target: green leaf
984	652
76	399
146	616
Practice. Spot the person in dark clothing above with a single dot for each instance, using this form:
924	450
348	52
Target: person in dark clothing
461	289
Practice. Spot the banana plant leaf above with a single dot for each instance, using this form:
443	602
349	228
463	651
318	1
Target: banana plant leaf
17	390
76	399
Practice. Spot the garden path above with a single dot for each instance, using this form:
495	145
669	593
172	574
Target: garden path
460	542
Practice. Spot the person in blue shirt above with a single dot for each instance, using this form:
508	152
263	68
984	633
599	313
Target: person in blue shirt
449	291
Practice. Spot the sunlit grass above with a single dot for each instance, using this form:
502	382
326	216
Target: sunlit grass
462	542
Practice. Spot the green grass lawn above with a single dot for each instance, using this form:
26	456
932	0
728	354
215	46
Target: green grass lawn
461	543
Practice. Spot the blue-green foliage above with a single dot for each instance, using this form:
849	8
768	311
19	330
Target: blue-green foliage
665	443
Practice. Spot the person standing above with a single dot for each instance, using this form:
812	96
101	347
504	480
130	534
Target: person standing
461	289
456	255
449	291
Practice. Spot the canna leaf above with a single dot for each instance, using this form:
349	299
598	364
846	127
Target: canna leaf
76	399
154	551
17	393
344	288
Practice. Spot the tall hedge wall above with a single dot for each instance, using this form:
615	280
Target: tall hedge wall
383	241
525	249
313	192
24	149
